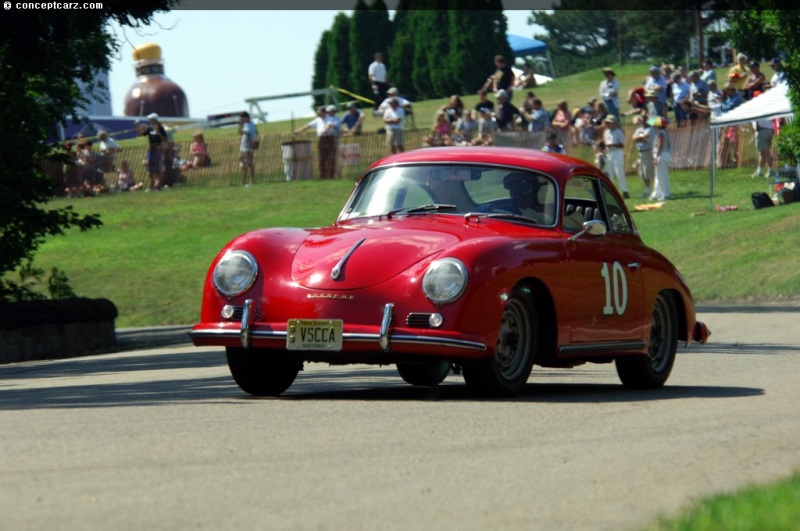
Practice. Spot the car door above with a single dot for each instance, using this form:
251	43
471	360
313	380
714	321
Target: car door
605	274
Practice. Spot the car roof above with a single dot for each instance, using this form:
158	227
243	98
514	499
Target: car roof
559	166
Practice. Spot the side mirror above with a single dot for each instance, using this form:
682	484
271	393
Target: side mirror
593	227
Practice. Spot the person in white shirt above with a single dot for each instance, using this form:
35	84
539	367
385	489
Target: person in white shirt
614	138
393	93
779	75
393	119
609	92
378	78
326	129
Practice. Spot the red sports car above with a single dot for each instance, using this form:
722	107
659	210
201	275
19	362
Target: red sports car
485	261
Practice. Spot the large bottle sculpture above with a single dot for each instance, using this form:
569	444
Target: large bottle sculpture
153	91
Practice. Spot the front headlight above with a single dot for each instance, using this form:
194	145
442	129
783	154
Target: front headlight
235	273
445	280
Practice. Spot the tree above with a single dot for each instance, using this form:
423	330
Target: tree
338	74
370	32
43	54
321	59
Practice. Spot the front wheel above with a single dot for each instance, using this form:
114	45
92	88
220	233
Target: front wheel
506	371
424	374
262	372
651	371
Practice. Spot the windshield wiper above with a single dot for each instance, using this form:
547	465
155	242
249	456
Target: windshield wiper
502	215
434	207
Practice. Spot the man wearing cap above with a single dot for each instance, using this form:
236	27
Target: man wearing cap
643	137
326	141
393	93
779	75
353	119
393	119
156	137
657	83
732	98
609	92
614	139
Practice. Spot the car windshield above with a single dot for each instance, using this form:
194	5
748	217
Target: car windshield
504	193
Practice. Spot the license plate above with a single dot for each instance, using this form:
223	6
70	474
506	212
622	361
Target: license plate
314	334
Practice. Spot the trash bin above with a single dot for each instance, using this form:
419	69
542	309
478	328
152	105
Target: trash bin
297	164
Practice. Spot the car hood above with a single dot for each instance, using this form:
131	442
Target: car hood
372	253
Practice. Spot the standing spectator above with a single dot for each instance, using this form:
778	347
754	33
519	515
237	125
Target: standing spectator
562	119
484	105
109	148
779	75
739	73
755	81
378	78
248	136
643	137
662	155
609	92
506	111
763	129
699	88
600	156
157	138
708	74
658	83
392	92
681	98
353	119
326	142
614	139
502	79
393	119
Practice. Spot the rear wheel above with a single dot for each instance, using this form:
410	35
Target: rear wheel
506	371
262	372
424	374
651	371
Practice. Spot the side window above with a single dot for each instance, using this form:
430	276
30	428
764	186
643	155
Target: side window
618	220
580	203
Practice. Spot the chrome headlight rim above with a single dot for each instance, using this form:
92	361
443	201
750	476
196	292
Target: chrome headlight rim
454	292
223	283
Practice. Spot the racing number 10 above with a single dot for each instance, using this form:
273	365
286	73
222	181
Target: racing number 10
616	288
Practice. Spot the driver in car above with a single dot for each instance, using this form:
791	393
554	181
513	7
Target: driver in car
524	190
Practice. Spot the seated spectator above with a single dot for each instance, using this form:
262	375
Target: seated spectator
453	109
525	110
401	101
552	145
526	80
732	98
582	131
708	74
125	180
441	133
466	128
353	119
483	105
506	112
109	148
199	153
487	127
756	81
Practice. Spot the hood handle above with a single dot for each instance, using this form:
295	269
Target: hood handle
336	272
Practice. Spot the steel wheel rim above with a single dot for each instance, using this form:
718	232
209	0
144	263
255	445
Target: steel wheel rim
661	337
510	355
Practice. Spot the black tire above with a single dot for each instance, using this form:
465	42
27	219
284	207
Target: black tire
424	374
651	371
506	371
262	372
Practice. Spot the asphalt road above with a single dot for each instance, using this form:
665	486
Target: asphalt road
161	438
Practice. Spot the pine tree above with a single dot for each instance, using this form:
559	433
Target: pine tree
321	60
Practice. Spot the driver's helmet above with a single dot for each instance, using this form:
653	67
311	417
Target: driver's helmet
521	184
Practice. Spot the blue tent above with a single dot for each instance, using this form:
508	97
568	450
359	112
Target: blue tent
522	46
525	46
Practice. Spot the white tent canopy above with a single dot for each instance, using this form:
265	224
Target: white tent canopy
774	103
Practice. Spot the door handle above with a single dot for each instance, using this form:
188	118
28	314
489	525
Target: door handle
634	266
